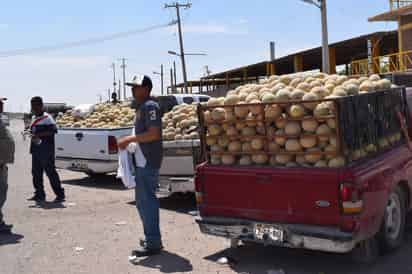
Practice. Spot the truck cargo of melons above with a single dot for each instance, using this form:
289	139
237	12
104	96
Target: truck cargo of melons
358	203
94	151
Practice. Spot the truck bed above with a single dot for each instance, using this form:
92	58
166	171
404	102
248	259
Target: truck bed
309	196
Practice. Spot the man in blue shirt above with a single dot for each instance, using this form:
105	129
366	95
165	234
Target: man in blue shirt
43	128
148	134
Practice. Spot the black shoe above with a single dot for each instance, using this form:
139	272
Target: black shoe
59	200
37	198
146	252
143	243
5	229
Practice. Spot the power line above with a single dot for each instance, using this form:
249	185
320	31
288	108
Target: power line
85	42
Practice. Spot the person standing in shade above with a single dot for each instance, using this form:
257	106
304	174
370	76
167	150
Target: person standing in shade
7	147
148	135
43	128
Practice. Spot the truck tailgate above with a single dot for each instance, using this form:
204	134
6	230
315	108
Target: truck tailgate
180	157
282	195
86	143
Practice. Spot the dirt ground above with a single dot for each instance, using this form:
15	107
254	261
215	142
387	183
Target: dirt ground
97	227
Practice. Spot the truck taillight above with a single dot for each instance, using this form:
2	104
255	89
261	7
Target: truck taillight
199	198
112	145
198	186
351	199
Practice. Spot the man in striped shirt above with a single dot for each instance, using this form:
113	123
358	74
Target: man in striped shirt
43	129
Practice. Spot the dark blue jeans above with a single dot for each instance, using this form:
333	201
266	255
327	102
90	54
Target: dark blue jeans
148	205
44	162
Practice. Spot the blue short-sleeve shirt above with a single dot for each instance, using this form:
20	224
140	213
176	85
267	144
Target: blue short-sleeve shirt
148	115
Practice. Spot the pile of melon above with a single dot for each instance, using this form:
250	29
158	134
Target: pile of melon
181	123
105	115
294	127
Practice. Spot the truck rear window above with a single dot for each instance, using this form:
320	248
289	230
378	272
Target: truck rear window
166	103
188	100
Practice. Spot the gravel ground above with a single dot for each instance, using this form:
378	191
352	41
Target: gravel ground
95	229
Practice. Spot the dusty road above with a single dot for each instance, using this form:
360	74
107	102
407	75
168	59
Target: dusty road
94	231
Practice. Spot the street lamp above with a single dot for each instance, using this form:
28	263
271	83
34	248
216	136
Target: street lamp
321	4
171	52
192	54
161	76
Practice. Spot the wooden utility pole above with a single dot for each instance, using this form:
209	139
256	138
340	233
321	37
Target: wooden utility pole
177	6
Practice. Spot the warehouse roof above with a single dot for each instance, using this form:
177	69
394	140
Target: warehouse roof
346	51
392	15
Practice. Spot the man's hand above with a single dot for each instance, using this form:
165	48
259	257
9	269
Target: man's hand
123	142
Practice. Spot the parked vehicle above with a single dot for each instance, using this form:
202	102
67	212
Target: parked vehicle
94	151
167	102
52	108
359	208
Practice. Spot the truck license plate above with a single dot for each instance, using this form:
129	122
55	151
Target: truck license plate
80	164
268	232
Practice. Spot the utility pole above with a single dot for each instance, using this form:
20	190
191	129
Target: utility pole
272	51
108	94
161	73
179	25
321	4
207	71
325	42
171	80
119	92
114	77
123	66
174	73
161	78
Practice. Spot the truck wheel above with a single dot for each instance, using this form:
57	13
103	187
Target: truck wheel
366	252
392	231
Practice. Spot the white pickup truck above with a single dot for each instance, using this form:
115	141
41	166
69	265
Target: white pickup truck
94	151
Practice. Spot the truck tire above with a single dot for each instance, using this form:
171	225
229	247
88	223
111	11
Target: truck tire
392	232
366	252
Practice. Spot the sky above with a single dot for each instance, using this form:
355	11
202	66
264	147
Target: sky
233	33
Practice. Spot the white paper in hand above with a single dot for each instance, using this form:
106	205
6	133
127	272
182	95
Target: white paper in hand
124	171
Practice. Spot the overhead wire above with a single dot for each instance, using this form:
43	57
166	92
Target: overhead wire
84	42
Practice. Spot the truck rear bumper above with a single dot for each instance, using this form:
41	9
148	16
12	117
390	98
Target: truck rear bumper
169	185
87	165
328	239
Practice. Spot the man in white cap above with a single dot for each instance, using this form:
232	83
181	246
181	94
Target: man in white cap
6	157
148	134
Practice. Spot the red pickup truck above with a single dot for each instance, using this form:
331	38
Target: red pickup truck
360	208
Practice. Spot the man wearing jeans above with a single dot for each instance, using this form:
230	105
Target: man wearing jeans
148	134
43	128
